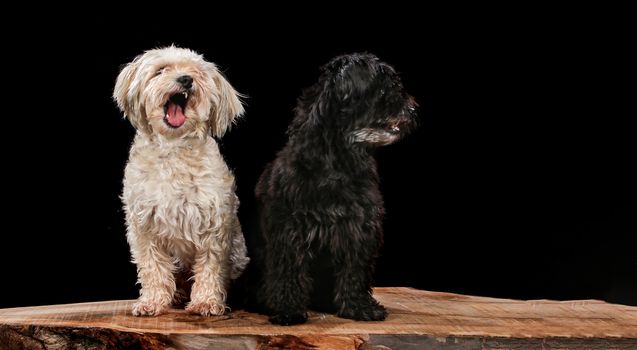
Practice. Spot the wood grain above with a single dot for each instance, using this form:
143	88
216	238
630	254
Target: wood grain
418	319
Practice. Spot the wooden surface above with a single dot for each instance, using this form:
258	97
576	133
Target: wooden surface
417	320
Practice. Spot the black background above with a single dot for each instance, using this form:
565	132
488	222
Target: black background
519	183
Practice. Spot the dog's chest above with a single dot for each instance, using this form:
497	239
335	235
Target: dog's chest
184	190
182	175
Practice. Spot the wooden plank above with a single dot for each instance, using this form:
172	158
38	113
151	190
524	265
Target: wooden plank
418	319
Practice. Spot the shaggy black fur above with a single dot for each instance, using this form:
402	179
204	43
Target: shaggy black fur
320	208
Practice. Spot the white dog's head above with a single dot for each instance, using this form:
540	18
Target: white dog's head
175	92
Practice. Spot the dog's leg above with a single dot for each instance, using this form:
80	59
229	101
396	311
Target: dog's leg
155	272
211	274
239	253
288	282
353	291
354	267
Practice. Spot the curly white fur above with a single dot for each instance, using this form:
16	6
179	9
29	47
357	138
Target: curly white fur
181	209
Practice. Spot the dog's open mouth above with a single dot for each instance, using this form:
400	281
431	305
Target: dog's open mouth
393	126
174	110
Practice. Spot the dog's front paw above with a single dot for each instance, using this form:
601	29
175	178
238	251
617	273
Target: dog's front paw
289	318
366	312
206	308
148	308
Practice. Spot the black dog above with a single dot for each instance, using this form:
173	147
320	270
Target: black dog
320	208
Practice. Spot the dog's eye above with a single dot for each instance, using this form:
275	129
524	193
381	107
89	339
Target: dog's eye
160	70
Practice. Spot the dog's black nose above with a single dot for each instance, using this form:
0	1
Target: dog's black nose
185	81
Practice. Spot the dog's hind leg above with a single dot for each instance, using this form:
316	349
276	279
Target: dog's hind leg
239	253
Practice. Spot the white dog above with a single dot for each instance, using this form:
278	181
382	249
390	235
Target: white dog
179	199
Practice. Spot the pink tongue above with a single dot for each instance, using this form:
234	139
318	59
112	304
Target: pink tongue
175	115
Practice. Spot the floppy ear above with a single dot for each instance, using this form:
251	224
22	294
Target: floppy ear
127	95
317	101
226	105
311	106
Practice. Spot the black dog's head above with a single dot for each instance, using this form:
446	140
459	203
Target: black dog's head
358	99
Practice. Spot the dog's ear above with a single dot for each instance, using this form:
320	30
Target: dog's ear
127	95
226	106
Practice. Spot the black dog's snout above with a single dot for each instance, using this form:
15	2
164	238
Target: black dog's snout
185	81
